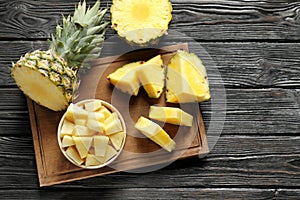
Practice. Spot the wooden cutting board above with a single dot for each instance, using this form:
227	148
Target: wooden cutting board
139	152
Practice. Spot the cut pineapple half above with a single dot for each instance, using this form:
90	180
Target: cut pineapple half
186	79
141	21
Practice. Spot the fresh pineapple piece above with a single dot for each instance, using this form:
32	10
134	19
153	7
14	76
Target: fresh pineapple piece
67	128
99	116
113	127
67	141
105	112
100	145
92	106
154	132
81	122
91	160
83	145
111	118
171	115
124	78
73	154
151	75
95	125
75	112
117	140
82	131
110	152
186	79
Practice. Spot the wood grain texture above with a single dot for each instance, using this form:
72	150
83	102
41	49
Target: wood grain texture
236	161
247	65
202	20
249	112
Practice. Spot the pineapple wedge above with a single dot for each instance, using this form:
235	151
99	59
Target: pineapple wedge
73	154
82	131
110	152
154	132
111	118
91	160
95	125
67	141
83	144
75	112
100	144
92	106
113	127
124	78
67	128
80	122
171	115
99	116
186	79
117	140
105	112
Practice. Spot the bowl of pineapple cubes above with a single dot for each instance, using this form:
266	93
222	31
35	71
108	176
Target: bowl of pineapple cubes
91	134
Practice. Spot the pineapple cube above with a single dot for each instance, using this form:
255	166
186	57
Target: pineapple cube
82	131
171	115
95	125
154	132
113	127
80	122
73	154
100	145
117	139
92	106
111	118
67	128
75	112
67	141
110	152
99	116
83	145
105	112
91	160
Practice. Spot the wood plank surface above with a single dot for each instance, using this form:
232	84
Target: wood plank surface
202	20
247	65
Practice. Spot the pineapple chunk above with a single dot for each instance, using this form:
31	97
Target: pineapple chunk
105	112
171	115
117	140
111	118
186	79
92	106
95	125
83	145
154	132
151	75
73	154
82	131
113	127
100	145
75	112
67	141
91	160
110	152
125	79
80	122
99	116
67	128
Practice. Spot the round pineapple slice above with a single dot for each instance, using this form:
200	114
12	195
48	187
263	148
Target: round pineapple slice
141	21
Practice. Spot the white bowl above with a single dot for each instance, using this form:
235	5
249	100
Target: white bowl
112	109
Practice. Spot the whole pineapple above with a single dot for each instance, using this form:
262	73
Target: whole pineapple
49	77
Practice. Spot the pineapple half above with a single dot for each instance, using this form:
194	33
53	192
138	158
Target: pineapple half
49	77
142	21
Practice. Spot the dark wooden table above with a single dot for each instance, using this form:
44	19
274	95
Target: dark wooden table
256	46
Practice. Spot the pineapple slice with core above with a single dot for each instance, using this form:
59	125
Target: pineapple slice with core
186	79
124	78
83	145
73	154
67	128
171	115
75	112
82	131
117	140
154	132
140	22
100	145
95	125
91	160
92	106
67	141
151	75
113	127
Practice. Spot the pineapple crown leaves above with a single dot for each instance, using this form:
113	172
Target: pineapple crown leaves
79	38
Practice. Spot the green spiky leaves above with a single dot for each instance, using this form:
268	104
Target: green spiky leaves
80	37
